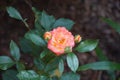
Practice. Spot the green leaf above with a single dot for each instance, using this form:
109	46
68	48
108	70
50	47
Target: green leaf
61	66
70	76
112	74
72	61
102	57
63	22
87	45
46	20
20	66
28	75
14	13
37	40
39	64
9	75
48	57
36	11
112	23
14	50
44	53
52	64
25	45
39	27
55	78
100	54
5	62
44	77
103	65
37	22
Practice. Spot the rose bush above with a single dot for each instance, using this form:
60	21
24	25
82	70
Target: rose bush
49	38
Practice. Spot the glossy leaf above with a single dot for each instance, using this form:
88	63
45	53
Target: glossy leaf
10	75
46	20
28	75
87	45
37	40
61	66
14	13
72	61
112	23
63	22
104	65
70	76
14	50
5	62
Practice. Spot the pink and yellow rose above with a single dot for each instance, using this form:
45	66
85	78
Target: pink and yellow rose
60	39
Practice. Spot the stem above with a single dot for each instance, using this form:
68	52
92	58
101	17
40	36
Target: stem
24	21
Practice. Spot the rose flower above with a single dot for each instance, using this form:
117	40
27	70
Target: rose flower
61	38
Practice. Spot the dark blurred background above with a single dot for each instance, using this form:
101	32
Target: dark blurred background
85	13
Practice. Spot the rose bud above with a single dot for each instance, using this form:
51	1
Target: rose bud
47	36
77	38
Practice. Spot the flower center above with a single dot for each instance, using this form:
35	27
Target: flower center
61	41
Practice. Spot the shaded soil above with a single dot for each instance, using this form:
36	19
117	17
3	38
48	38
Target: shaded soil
85	13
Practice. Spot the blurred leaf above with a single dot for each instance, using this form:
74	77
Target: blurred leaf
55	78
39	64
112	74
35	39
104	65
39	27
44	78
52	64
28	75
113	24
37	22
46	20
14	50
100	54
48	57
61	66
28	47
36	11
10	75
5	62
25	45
20	66
70	76
102	57
72	61
87	45
63	22
14	13
44	53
